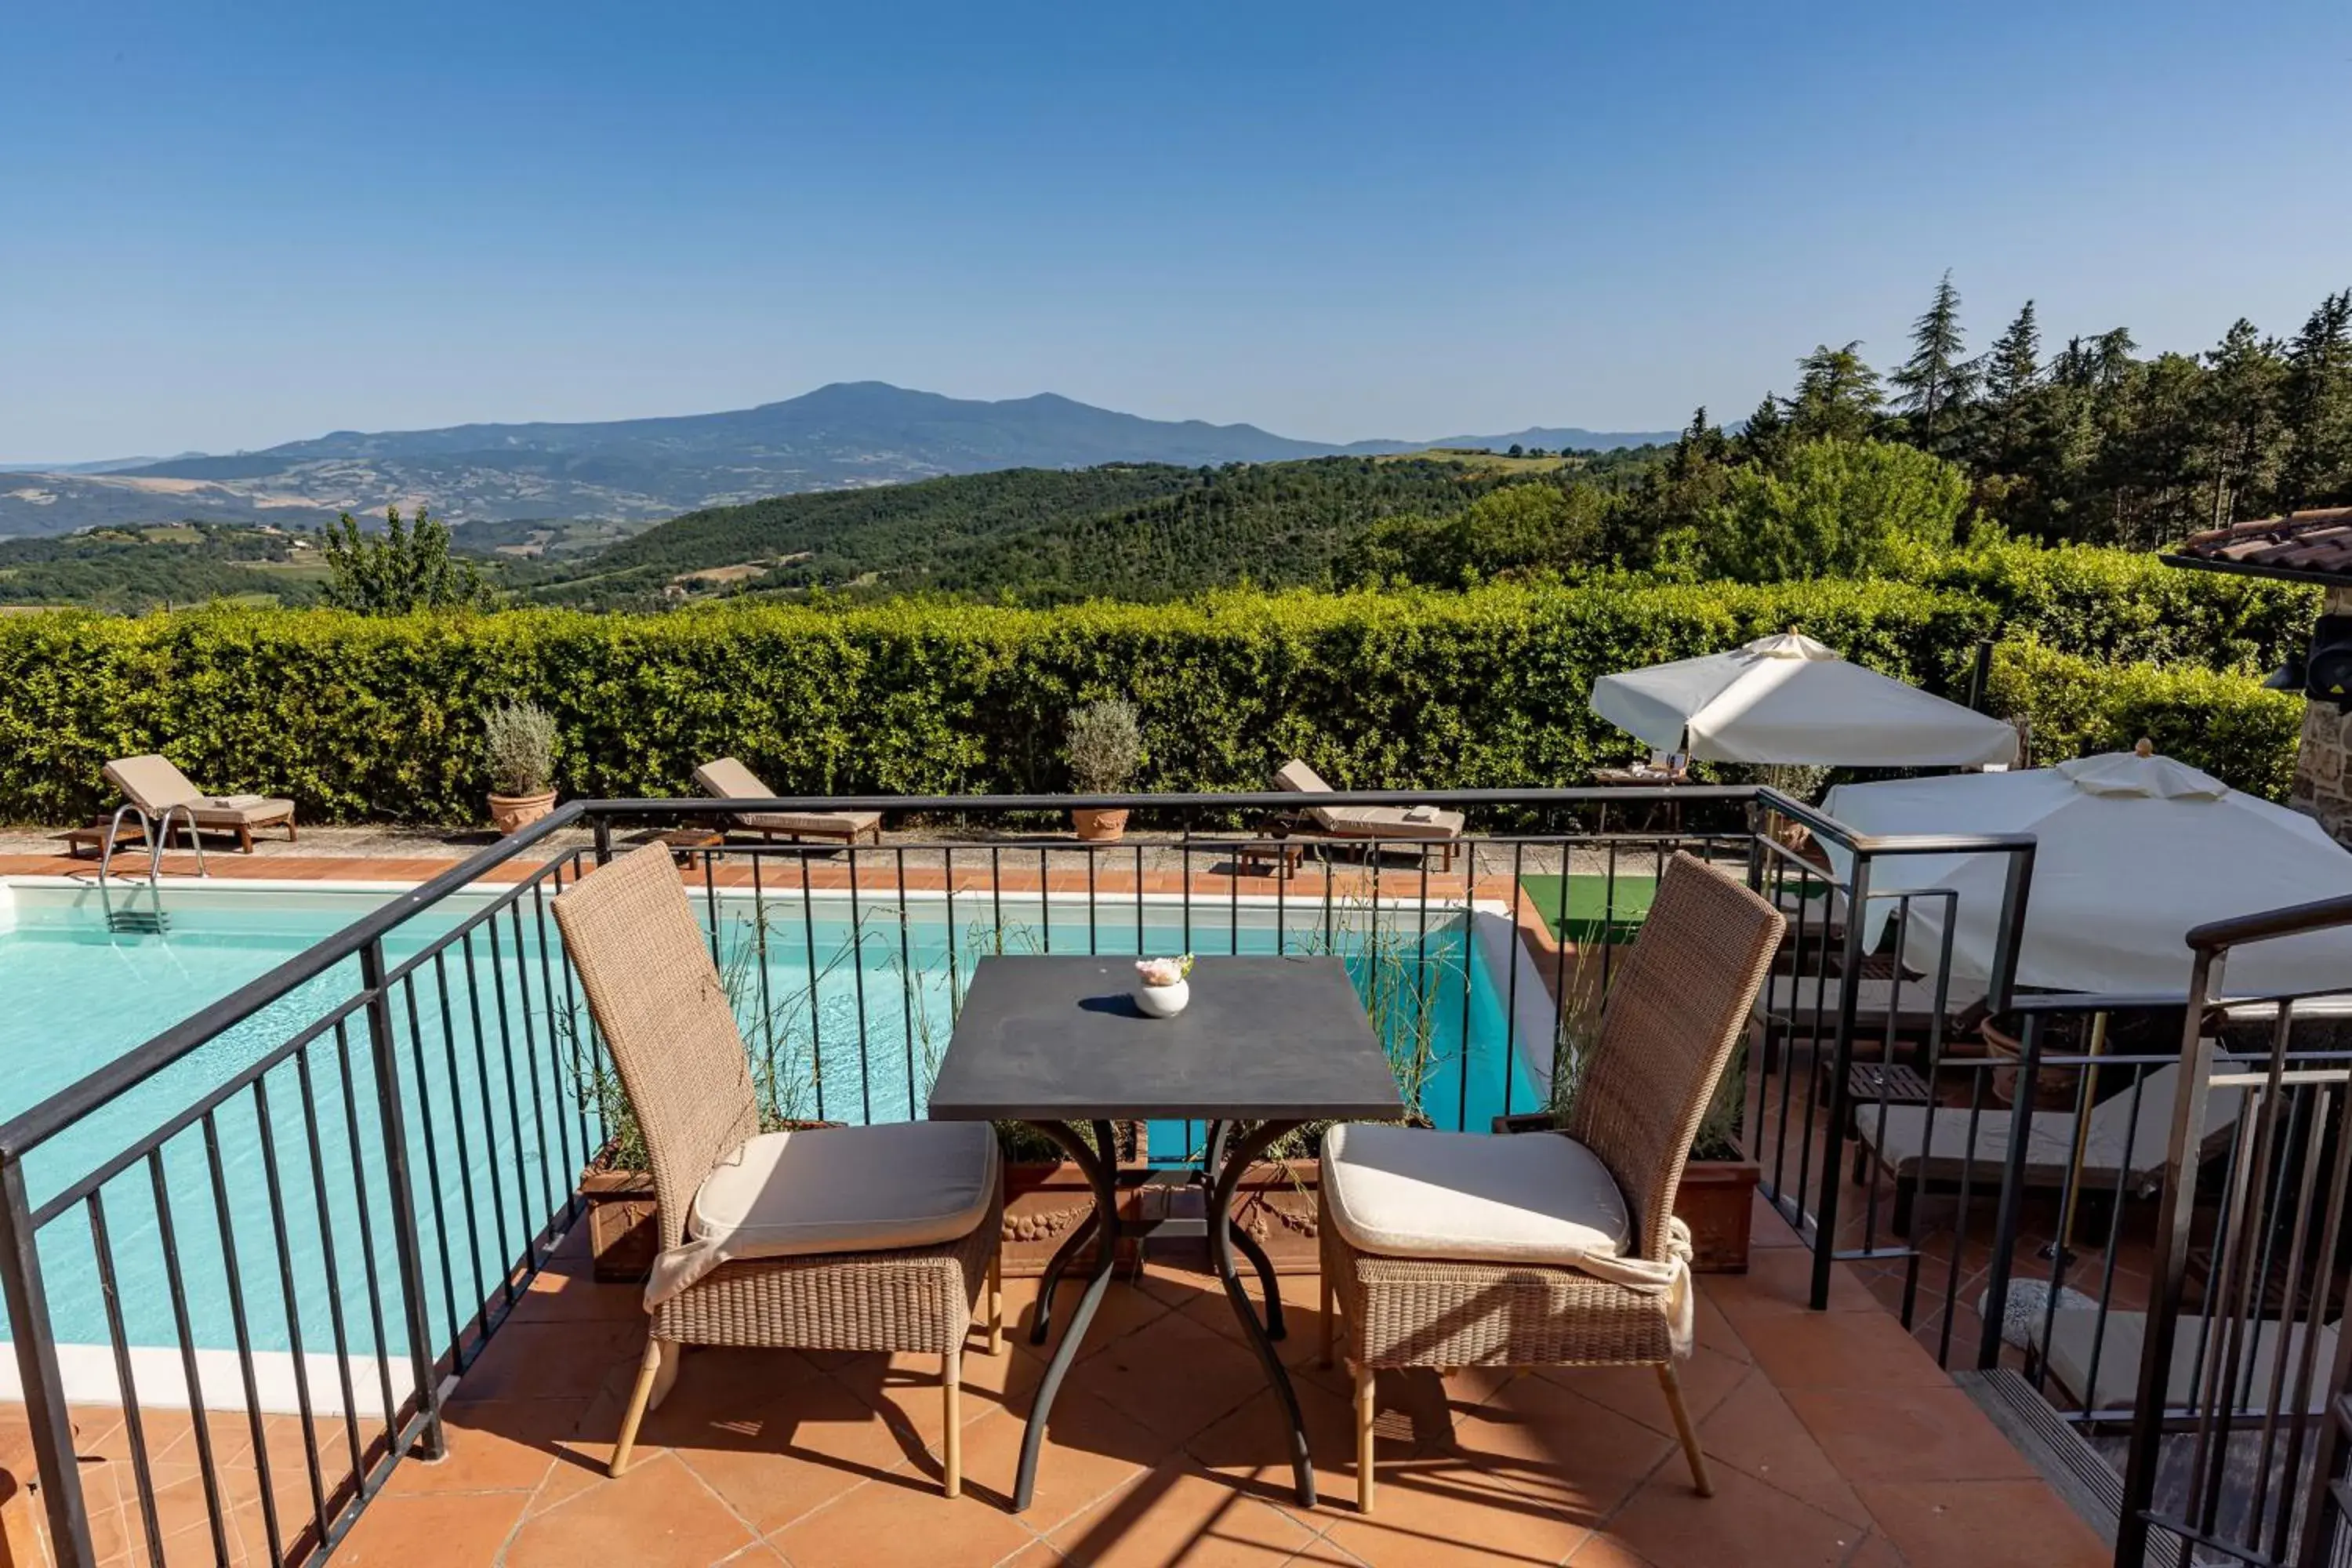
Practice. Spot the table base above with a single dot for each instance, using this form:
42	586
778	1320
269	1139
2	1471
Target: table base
1228	1158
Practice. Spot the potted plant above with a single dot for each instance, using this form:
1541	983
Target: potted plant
518	740
1105	752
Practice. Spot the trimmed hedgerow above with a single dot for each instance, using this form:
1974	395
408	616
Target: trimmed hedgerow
2230	725
2127	605
380	719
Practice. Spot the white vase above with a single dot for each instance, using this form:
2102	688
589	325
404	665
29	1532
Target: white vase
1163	1001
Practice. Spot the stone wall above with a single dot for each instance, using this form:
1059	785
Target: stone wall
2322	767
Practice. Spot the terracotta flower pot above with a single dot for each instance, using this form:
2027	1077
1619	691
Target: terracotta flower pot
508	812
1099	826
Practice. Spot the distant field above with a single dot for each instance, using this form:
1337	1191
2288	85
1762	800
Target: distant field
1490	462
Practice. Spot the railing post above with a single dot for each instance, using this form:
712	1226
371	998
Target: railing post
37	1370
1825	1213
2167	1271
408	1246
603	830
2012	1193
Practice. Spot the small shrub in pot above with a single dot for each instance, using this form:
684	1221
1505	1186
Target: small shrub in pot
1105	752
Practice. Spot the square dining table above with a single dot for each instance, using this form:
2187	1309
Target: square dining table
1265	1045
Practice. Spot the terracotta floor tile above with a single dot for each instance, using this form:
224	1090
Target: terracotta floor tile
782	1456
551	1360
451	1528
1907	1435
499	1446
902	1520
1091	1450
1746	1523
1983	1524
1438	1514
1754	1431
1178	1517
657	1516
1578	1459
1708	1377
1876	1552
1866	1350
1779	1283
1601	1550
1124	1309
1173	1375
1250	1450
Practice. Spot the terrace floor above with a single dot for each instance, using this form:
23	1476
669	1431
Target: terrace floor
1834	1437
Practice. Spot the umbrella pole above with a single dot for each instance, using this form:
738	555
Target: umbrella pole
2059	1250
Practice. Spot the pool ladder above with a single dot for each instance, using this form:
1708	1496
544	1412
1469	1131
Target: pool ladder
131	920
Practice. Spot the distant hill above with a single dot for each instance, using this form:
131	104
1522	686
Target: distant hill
132	570
1129	531
845	435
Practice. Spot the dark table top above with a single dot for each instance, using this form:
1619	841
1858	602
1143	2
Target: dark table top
1059	1038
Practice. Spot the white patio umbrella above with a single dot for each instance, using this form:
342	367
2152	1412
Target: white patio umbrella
2131	852
1788	699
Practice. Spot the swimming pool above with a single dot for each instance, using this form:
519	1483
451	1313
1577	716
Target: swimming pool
847	1003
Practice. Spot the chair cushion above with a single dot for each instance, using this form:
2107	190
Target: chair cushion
848	1189
1402	1192
1389	821
814	823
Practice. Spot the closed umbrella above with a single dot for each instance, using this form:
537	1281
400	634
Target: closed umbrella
1790	699
2131	851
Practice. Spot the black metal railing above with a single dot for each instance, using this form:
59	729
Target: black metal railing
2238	1421
311	1203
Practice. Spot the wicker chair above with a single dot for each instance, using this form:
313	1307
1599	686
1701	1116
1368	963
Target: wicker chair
656	998
1467	1283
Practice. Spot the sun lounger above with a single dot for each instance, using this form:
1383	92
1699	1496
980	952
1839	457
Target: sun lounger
728	779
153	785
2072	1330
2126	1143
1413	826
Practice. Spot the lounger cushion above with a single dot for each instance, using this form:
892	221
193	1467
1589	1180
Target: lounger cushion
2134	1125
812	824
848	1189
1300	778
2075	1331
1388	821
240	810
1403	1192
152	783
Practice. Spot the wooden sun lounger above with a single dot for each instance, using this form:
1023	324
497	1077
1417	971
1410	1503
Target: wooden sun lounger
728	779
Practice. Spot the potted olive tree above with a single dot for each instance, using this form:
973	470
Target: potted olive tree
1106	752
519	742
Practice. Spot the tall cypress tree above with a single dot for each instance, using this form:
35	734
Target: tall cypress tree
1936	383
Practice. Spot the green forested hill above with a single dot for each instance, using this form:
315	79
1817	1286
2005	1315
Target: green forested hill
137	569
1127	531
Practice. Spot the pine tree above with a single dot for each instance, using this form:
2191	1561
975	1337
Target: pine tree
2317	406
2237	411
1936	381
1837	395
1765	433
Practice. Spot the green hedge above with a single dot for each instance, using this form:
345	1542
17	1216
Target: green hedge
379	719
2230	725
2128	605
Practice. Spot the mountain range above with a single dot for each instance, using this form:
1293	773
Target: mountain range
843	435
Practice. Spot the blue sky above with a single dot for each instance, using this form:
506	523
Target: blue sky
229	225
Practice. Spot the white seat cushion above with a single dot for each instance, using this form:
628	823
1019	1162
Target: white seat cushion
848	1189
1401	1192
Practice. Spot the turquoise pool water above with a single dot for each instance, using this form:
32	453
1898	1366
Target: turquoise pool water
847	1017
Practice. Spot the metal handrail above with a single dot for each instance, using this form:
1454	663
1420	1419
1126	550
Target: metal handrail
31	1128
